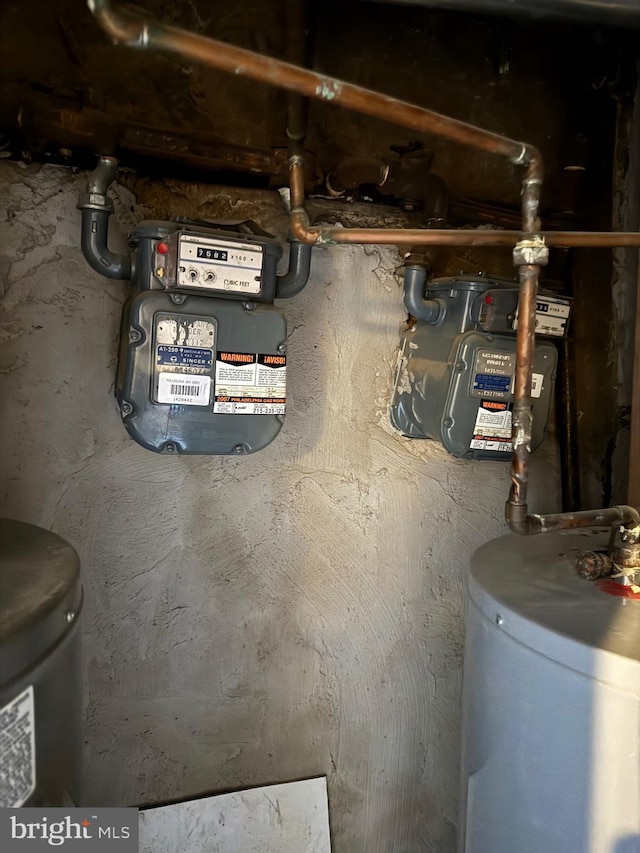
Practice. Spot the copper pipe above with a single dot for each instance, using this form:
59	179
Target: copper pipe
305	82
296	183
327	236
516	508
138	32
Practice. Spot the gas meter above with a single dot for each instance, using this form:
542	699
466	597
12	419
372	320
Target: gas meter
456	364
202	359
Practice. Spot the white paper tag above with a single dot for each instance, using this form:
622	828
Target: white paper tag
185	389
536	384
17	751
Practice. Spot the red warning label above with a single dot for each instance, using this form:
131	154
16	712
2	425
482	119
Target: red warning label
250	384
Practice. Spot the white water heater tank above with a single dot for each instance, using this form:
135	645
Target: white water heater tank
551	718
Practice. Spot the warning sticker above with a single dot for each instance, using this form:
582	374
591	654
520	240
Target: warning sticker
250	384
492	429
17	751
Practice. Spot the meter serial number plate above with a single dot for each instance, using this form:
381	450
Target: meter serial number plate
492	374
219	265
184	360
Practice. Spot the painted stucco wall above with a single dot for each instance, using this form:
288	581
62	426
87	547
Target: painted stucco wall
294	613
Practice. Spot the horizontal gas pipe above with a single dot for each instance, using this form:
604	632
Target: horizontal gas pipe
321	235
622	516
139	32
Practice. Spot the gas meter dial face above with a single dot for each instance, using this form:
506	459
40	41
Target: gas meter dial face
219	265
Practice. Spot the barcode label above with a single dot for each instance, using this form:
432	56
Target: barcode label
184	389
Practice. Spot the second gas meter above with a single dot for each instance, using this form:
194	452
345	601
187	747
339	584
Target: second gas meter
456	365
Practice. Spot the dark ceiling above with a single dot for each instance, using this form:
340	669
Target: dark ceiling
68	93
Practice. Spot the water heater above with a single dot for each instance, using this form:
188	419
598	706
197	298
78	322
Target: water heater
40	690
551	704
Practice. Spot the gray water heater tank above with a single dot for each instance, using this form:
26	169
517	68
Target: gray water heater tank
551	716
40	697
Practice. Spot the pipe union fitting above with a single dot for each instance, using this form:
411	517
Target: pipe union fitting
94	201
531	252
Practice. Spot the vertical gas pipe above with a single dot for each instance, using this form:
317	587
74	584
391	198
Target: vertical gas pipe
529	254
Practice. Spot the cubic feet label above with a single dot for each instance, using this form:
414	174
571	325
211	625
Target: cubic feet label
82	830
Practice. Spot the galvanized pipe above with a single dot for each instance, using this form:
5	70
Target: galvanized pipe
621	516
297	275
139	32
97	209
427	310
295	41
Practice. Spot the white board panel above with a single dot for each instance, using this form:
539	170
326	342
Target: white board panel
288	818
